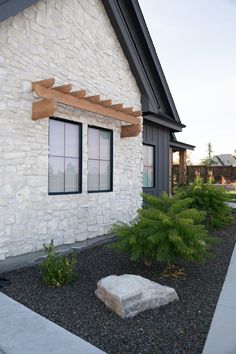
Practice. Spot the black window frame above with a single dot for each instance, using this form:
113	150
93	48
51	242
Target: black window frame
111	160
154	166
80	162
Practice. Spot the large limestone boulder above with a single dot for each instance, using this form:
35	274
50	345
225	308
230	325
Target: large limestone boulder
130	294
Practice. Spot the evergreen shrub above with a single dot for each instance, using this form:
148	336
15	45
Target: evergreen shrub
57	270
211	200
166	229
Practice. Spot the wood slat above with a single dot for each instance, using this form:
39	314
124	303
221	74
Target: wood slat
80	93
128	131
136	113
127	110
95	98
106	103
45	83
117	106
44	108
84	104
64	88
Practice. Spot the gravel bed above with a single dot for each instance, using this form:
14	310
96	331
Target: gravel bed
178	328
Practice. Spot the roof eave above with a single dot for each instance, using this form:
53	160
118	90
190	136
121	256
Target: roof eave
178	145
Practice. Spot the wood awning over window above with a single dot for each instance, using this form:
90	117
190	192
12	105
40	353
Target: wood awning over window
79	99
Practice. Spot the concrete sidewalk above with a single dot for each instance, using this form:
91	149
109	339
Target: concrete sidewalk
222	335
22	331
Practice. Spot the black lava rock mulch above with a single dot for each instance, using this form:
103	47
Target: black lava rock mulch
178	328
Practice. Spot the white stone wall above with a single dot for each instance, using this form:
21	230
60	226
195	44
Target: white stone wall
73	41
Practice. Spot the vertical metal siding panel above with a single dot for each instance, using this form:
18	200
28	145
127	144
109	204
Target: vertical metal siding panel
144	132
156	135
166	159
161	161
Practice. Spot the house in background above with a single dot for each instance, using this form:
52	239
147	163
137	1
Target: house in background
76	152
225	160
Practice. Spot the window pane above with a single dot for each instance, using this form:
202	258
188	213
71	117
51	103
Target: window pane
105	175
93	175
104	145
145	155
71	175
71	140
56	174
56	138
150	155
145	177
93	143
150	177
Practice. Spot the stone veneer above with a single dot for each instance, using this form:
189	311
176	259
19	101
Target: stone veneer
74	42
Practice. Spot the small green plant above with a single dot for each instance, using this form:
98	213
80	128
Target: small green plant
166	230
57	270
211	200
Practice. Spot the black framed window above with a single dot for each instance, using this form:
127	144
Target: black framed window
100	159
65	170
148	166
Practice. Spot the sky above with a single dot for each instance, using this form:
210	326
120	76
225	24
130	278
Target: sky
195	41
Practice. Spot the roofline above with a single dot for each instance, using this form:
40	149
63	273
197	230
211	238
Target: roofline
131	29
156	60
178	145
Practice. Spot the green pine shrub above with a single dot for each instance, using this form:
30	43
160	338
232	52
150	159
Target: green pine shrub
57	270
211	200
166	230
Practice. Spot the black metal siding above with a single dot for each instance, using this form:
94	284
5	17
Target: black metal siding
158	136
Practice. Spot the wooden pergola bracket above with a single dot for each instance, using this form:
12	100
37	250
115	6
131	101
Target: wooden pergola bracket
44	108
79	99
130	130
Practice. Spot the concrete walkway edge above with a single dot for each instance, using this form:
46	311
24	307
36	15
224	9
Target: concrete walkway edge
221	338
23	331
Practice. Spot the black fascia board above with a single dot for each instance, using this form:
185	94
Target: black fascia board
121	27
132	32
164	120
178	145
10	8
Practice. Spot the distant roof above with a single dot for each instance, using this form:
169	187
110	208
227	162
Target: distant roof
224	160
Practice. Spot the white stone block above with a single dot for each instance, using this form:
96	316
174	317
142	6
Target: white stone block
128	294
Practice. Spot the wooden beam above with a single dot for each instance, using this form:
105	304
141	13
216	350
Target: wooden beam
106	103
182	167
136	113
45	83
95	98
80	93
64	88
84	104
44	108
127	109
130	130
117	106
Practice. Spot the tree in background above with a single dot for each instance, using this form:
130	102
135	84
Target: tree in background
208	161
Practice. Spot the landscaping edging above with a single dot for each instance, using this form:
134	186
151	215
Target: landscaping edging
33	258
